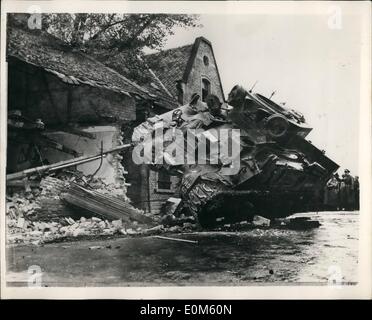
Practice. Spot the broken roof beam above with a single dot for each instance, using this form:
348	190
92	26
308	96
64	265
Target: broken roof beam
63	164
76	131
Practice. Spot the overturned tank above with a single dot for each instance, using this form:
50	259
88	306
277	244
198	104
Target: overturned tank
238	159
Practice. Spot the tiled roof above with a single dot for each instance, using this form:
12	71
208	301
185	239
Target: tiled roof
170	65
138	71
72	66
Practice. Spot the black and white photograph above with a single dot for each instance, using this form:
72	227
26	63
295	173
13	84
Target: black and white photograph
171	145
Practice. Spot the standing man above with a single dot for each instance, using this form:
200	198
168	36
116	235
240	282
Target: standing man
347	195
356	192
331	196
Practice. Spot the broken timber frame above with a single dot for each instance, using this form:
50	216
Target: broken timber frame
63	164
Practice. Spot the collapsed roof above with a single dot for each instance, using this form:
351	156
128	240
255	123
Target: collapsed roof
72	66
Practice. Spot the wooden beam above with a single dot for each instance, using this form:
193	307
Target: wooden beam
176	239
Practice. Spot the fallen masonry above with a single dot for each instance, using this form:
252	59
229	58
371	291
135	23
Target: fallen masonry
58	208
23	231
38	214
103	205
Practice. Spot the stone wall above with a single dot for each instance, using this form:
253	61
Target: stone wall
159	196
143	190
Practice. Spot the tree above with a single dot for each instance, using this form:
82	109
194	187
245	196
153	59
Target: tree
117	40
116	31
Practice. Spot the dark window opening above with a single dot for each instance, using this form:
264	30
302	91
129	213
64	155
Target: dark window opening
206	89
206	61
180	95
164	180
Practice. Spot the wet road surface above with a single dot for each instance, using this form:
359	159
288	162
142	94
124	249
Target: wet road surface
259	256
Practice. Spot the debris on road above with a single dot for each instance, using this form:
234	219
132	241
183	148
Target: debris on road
38	215
171	205
176	239
95	247
26	232
172	220
261	221
297	223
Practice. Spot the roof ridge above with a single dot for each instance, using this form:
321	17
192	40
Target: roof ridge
174	48
114	71
80	53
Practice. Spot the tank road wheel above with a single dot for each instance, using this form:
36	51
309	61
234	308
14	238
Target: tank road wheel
277	126
197	198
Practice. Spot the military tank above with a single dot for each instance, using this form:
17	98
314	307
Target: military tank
274	171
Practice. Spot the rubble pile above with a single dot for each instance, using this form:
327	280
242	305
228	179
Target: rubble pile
23	231
120	187
50	207
39	215
117	189
113	189
18	206
24	227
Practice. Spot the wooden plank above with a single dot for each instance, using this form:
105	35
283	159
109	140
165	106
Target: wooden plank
79	132
176	239
21	184
102	204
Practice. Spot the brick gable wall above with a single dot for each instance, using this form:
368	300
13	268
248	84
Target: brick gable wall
199	71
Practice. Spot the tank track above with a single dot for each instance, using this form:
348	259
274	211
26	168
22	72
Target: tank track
213	204
197	197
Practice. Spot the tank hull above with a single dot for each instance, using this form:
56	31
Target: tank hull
277	172
277	189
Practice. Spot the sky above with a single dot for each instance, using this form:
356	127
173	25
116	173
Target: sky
313	68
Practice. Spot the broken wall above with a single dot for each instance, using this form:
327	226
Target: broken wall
111	170
159	196
143	190
40	94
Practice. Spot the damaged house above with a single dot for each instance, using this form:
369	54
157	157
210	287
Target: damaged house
181	72
187	70
64	104
80	104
